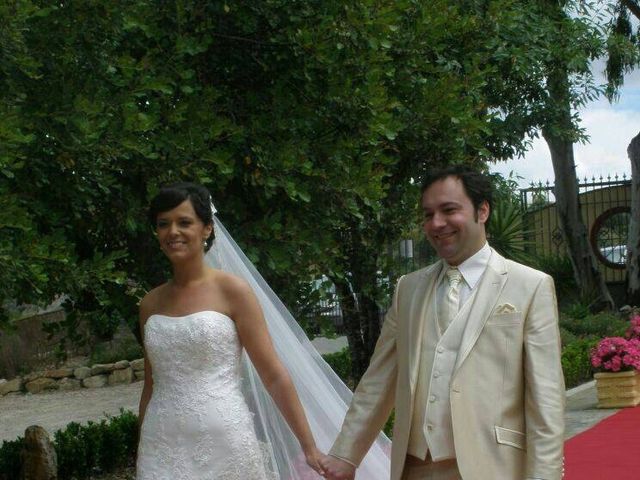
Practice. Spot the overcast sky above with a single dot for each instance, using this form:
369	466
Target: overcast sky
610	128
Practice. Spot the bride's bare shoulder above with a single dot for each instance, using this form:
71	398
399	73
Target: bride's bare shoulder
231	285
149	303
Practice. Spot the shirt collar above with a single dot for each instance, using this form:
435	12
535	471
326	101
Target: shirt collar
474	266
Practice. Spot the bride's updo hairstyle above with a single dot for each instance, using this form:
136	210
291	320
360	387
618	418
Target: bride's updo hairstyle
170	196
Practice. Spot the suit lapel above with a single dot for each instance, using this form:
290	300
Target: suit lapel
423	298
484	301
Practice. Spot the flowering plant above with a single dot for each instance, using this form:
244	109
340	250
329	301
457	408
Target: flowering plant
616	354
634	329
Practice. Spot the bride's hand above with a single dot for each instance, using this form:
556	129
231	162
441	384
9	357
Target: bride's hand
314	460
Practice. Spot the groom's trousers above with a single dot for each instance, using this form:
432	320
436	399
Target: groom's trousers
416	469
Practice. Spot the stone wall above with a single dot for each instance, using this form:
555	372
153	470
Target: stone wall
27	347
74	378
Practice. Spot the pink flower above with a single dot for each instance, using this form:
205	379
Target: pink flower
634	329
616	354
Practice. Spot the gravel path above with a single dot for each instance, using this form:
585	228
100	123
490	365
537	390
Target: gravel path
55	410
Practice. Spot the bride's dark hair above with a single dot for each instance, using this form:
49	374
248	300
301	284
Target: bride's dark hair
170	196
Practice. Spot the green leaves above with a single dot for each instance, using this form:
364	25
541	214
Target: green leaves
312	124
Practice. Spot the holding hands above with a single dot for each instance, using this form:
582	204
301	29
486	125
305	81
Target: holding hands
315	459
337	469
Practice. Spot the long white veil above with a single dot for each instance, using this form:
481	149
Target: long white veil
324	396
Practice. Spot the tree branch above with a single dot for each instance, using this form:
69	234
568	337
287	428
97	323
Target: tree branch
632	6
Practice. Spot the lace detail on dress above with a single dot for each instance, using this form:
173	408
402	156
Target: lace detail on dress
197	424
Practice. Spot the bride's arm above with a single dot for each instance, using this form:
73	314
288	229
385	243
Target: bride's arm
254	336
147	389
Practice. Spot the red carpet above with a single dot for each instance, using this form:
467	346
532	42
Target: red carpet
609	450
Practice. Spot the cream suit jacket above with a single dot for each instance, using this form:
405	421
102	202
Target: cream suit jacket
507	390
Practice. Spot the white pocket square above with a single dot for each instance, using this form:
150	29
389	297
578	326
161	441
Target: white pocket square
505	308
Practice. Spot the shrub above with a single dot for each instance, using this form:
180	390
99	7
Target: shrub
634	327
388	427
560	268
107	353
599	325
507	232
340	362
567	337
96	447
10	459
577	310
576	363
82	450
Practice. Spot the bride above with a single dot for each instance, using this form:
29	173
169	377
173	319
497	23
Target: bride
208	411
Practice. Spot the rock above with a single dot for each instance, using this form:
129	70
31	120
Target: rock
100	368
29	377
119	377
95	381
76	362
139	374
82	372
40	384
626	309
121	364
59	373
39	460
138	364
68	384
14	385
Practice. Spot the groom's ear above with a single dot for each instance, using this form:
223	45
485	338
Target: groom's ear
482	213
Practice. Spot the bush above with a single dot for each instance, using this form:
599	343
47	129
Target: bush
577	310
599	325
560	268
108	353
576	363
10	459
340	362
96	447
82	450
567	337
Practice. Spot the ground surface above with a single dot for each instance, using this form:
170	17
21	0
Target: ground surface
55	410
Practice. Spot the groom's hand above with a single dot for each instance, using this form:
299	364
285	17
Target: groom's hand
337	469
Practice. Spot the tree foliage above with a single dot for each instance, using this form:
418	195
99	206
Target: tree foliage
311	123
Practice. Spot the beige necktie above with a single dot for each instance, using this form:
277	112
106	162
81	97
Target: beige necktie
451	299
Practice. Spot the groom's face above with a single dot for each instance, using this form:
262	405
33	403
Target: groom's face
451	224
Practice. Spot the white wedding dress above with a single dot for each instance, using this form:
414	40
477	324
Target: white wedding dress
197	425
205	422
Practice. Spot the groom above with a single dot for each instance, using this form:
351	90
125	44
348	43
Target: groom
469	356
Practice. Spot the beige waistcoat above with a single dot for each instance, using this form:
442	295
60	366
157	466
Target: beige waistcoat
431	428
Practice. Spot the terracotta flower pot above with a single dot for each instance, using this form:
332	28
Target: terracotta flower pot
618	389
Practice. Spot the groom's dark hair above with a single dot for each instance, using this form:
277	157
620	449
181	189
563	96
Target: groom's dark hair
172	195
477	185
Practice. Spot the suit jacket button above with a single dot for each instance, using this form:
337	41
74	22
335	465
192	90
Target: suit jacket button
440	349
432	398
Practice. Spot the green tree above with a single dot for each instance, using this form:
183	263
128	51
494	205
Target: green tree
623	51
560	131
311	122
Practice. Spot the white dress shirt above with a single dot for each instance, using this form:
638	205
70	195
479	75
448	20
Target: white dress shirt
471	270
